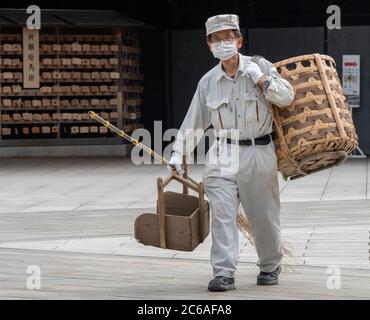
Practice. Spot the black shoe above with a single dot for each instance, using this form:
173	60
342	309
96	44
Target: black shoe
269	278
221	283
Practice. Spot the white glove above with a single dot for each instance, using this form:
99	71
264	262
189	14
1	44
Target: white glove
253	70
175	162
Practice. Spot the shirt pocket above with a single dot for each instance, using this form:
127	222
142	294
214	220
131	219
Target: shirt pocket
252	112
222	114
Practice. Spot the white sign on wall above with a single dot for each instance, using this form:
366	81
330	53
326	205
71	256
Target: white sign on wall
351	79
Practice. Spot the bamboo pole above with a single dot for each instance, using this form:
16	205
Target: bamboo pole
330	96
242	221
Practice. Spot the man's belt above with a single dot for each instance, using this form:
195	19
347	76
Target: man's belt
249	142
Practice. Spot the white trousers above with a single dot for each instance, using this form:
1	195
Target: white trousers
250	178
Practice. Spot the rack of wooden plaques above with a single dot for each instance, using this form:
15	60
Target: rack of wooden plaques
85	70
132	75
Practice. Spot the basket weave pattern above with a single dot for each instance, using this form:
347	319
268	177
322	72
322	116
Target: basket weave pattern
316	131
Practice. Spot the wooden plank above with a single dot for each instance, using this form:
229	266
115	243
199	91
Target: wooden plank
101	277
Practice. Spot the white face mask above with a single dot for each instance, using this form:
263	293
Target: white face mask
224	51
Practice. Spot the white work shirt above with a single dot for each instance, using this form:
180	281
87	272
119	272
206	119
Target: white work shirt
234	103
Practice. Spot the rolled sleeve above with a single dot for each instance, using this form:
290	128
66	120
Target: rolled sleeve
280	92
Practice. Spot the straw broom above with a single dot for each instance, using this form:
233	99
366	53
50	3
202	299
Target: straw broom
246	229
243	224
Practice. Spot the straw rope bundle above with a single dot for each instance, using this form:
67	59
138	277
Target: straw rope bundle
246	229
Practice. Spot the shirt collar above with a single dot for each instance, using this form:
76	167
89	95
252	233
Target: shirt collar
221	73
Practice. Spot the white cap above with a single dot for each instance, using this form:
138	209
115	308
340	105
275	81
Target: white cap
222	22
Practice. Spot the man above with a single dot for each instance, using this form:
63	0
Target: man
234	96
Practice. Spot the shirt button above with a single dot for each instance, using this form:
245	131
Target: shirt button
239	115
237	99
234	82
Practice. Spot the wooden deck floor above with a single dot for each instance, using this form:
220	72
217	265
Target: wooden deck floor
89	252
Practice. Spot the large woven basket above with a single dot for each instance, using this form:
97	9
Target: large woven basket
316	131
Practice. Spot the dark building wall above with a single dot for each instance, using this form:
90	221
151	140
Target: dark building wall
355	40
277	44
154	64
191	59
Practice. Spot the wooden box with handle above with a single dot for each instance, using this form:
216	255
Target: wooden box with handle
182	220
